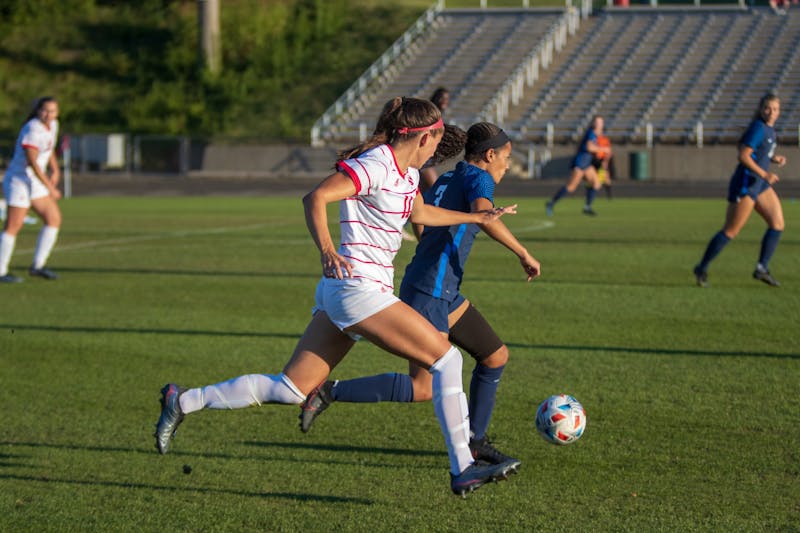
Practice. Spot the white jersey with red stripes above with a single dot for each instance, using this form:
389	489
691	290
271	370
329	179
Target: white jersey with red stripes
372	221
34	134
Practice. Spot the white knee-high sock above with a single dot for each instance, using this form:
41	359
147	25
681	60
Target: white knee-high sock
6	249
44	245
450	404
244	391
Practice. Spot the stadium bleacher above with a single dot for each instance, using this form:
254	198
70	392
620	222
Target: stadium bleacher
670	68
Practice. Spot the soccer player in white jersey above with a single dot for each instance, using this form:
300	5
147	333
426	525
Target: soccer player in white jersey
376	187
27	185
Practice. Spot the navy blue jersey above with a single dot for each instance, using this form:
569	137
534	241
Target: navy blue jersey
761	138
438	264
584	157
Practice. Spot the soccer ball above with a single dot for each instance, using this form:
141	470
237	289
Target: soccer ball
560	419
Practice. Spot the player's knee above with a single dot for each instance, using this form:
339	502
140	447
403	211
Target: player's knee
731	233
497	359
422	386
422	392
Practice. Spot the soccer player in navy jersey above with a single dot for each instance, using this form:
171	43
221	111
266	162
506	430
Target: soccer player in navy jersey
431	286
751	188
582	168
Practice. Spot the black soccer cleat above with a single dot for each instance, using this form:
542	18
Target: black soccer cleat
317	401
478	474
548	209
766	277
171	416
10	278
43	273
701	277
587	210
483	450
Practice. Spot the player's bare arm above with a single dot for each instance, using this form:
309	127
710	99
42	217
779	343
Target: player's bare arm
430	215
334	188
498	231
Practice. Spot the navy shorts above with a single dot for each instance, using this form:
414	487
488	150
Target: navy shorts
582	161
435	310
746	184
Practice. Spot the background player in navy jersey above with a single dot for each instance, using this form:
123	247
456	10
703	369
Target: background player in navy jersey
431	285
582	168
376	188
751	188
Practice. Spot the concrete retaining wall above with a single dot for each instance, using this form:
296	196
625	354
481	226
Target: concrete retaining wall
666	162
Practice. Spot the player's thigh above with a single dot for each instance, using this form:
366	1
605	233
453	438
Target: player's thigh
15	218
768	205
575	178
473	333
318	351
47	208
400	330
590	174
737	214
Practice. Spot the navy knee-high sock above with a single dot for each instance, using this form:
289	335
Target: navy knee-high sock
768	245
715	246
591	192
482	395
560	194
390	387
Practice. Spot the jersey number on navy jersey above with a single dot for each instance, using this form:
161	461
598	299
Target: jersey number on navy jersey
439	193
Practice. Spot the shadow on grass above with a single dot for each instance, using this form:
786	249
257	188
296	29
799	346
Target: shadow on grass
91	329
654	351
346	448
244	334
178	272
256	444
205	490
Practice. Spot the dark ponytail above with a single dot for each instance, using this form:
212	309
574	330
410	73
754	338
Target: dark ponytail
397	114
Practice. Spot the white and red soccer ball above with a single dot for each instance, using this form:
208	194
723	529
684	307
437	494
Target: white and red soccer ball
560	419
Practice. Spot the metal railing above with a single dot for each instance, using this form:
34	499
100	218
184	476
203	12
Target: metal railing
527	73
359	87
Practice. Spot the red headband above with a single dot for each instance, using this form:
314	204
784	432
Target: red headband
435	126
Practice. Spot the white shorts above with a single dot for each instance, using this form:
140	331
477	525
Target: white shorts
20	190
349	301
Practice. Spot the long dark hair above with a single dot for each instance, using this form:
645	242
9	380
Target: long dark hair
438	96
399	112
38	104
452	144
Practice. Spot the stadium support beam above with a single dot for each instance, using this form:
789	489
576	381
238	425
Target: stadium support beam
208	23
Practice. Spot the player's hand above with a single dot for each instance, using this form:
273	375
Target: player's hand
779	160
334	266
531	266
55	193
772	178
490	215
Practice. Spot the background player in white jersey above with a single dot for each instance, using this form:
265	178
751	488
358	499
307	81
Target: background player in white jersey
376	187
27	185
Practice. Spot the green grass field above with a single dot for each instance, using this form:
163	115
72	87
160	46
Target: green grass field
692	395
